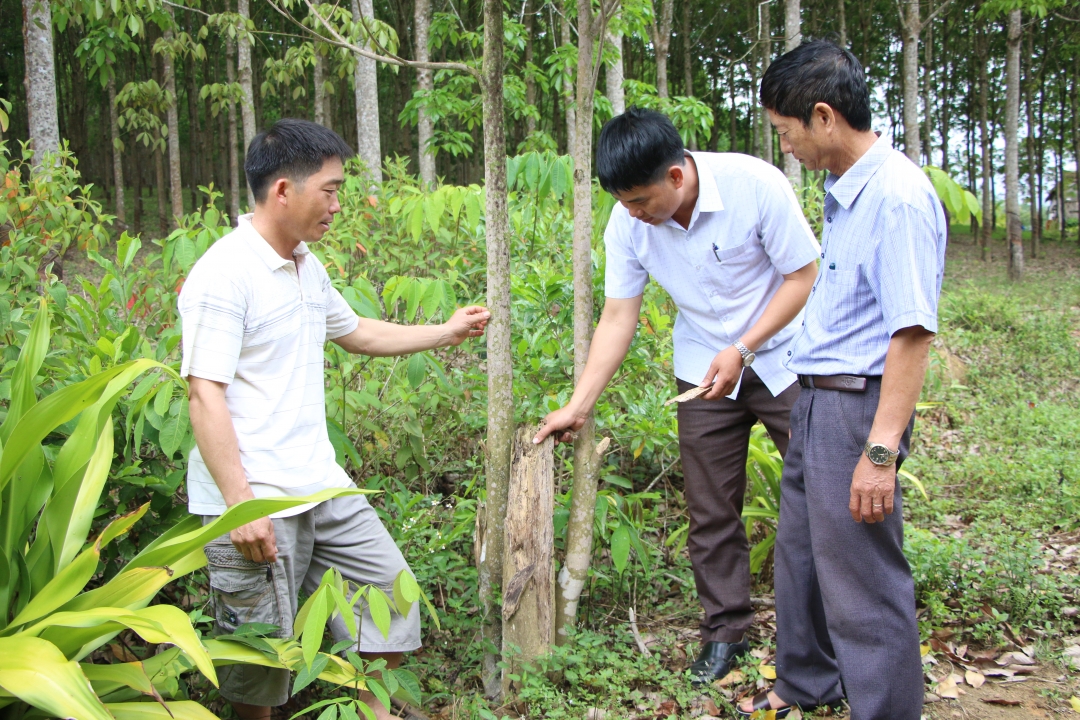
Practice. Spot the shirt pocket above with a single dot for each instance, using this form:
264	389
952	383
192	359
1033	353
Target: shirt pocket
841	289
736	266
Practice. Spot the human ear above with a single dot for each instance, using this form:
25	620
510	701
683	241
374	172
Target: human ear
677	176
825	116
279	191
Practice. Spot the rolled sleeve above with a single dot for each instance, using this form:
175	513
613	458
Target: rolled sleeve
905	274
212	311
624	276
340	317
786	236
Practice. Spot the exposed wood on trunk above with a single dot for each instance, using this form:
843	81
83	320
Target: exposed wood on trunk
500	425
688	50
528	567
40	78
425	83
792	39
247	107
368	142
529	20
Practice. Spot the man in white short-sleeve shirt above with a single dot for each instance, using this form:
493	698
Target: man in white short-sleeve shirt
724	235
257	310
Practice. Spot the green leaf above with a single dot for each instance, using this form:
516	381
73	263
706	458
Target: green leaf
408	686
126	248
163	397
416	221
380	610
415	370
308	674
620	547
172	709
184	252
175	429
26	369
37	673
314	624
433	210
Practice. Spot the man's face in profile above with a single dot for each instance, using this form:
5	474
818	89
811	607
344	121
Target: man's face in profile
313	202
799	140
655	203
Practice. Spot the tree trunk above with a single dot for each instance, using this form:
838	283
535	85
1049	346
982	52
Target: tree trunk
1033	190
162	195
530	79
587	461
985	147
766	60
911	27
661	40
733	115
197	138
247	107
792	39
176	190
616	75
688	50
568	89
928	68
117	155
319	80
368	144
425	82
230	140
1075	102
946	102
842	16
44	124
500	426
528	611
1012	147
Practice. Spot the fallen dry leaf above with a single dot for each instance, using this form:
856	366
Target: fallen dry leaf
735	677
767	671
974	679
709	708
688	395
1075	703
947	688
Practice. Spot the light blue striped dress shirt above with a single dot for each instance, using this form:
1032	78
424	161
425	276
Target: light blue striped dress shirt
746	232
882	261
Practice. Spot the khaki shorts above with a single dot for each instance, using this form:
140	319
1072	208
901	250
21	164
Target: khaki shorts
343	533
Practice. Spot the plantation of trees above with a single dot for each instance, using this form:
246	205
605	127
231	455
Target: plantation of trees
123	131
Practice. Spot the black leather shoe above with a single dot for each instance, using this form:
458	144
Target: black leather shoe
715	661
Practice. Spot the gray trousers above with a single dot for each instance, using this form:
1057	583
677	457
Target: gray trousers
845	599
713	440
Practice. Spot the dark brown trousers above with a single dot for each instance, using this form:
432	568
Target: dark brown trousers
713	440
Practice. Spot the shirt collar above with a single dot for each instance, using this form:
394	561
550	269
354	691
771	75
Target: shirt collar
845	188
262	248
708	194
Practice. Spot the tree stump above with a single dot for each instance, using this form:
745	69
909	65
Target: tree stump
528	567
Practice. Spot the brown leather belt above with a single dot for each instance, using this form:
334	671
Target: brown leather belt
843	383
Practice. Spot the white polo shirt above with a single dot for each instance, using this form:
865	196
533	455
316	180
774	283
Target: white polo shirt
258	322
747	231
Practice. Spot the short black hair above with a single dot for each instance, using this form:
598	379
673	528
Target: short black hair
817	72
636	149
292	148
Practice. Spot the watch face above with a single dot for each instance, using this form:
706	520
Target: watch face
748	360
879	454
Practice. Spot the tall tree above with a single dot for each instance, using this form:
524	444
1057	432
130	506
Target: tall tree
425	82
1012	146
911	27
616	74
318	79
234	160
40	78
985	145
660	34
168	51
792	38
500	424
243	61
368	142
765	54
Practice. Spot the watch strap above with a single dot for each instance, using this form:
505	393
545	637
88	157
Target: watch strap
892	457
743	350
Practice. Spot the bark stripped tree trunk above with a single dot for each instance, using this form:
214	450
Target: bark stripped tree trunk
426	83
1012	147
500	426
588	456
911	26
368	143
661	40
529	570
985	146
247	107
176	190
40	78
792	38
616	75
230	140
117	156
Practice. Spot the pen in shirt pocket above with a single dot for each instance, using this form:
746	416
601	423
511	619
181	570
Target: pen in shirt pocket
716	253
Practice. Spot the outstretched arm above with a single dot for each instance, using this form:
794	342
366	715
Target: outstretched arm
611	341
384	339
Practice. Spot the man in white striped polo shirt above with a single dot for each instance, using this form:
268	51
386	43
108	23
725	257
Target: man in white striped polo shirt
257	310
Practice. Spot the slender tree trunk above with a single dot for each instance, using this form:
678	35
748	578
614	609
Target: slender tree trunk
137	178
40	78
162	194
911	27
688	50
616	75
1033	190
530	60
842	17
197	138
117	155
368	145
733	115
587	461
230	140
928	69
946	101
568	88
500	427
766	60
247	107
319	80
792	39
176	190
1075	102
985	146
661	40
426	83
1012	147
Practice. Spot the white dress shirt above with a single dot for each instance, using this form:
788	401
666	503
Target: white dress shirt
747	231
258	322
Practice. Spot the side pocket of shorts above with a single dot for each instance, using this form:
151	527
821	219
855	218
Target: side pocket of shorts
243	591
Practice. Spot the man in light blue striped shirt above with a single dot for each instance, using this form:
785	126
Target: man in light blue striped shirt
845	599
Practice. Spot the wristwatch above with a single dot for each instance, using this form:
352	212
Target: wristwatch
747	356
880	454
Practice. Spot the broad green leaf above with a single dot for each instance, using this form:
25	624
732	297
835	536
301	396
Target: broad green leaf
415	370
433	210
620	548
108	678
175	709
175	429
69	539
408	686
26	369
416	221
163	397
68	583
126	248
307	675
38	674
344	609
315	624
380	610
184	252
